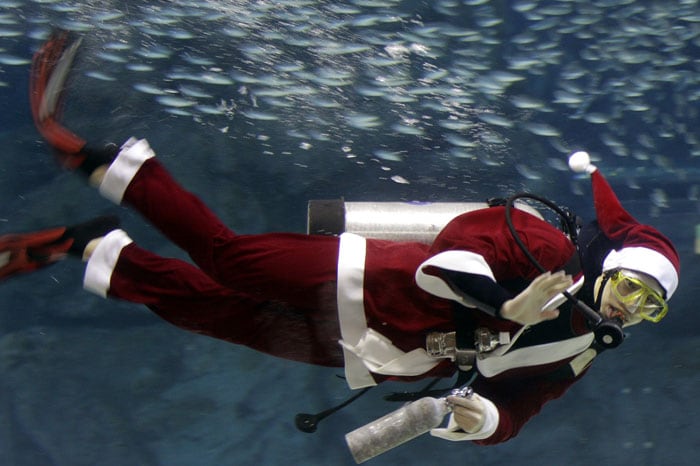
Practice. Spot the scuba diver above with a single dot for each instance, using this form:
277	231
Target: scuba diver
471	302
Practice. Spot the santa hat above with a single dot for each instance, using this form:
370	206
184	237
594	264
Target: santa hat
644	249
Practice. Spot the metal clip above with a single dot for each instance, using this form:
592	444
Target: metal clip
444	345
486	341
441	345
465	392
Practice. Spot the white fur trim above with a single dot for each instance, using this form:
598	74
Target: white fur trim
122	170
644	260
365	349
351	309
460	261
98	272
579	161
497	363
454	433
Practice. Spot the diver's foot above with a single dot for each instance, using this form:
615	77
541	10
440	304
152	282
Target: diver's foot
92	160
97	160
25	252
83	235
90	248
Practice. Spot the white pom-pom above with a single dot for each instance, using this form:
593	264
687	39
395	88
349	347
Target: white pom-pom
580	161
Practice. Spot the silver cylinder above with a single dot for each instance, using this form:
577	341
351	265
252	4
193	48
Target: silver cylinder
396	428
395	221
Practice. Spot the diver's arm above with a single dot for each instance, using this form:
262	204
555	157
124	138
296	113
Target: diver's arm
488	296
463	424
519	401
508	406
476	252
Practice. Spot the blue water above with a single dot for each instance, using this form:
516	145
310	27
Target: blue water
84	381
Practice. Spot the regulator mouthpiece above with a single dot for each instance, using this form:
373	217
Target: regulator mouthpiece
609	333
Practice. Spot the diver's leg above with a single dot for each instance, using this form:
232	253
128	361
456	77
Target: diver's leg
183	295
287	267
290	267
137	178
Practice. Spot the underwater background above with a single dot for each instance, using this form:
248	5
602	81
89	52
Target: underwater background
257	107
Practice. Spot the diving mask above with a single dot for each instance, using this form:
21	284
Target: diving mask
638	296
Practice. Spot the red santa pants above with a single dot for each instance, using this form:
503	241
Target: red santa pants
275	293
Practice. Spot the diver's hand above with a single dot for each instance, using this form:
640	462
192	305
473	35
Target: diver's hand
526	307
469	412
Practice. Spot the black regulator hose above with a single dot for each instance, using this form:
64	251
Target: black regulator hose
608	333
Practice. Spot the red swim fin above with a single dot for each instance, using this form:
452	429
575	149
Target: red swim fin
51	66
26	252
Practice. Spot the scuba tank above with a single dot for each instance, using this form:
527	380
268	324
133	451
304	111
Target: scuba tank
396	428
395	221
401	425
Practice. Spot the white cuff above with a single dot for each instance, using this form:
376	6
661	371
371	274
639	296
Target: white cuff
122	170
98	272
458	261
455	433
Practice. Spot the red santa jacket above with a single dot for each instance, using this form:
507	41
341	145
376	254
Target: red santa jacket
391	295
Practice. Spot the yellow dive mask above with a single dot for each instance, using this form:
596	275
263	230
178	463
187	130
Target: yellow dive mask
637	296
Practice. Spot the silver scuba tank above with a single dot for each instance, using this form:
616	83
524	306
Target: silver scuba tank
396	221
396	428
401	425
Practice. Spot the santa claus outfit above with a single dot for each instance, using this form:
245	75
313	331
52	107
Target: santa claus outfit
369	304
364	304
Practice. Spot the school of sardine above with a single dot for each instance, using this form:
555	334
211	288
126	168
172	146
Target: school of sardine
483	82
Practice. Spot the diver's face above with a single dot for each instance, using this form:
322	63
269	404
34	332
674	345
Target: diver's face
631	297
612	308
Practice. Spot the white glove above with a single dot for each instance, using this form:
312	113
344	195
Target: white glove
526	308
469	413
